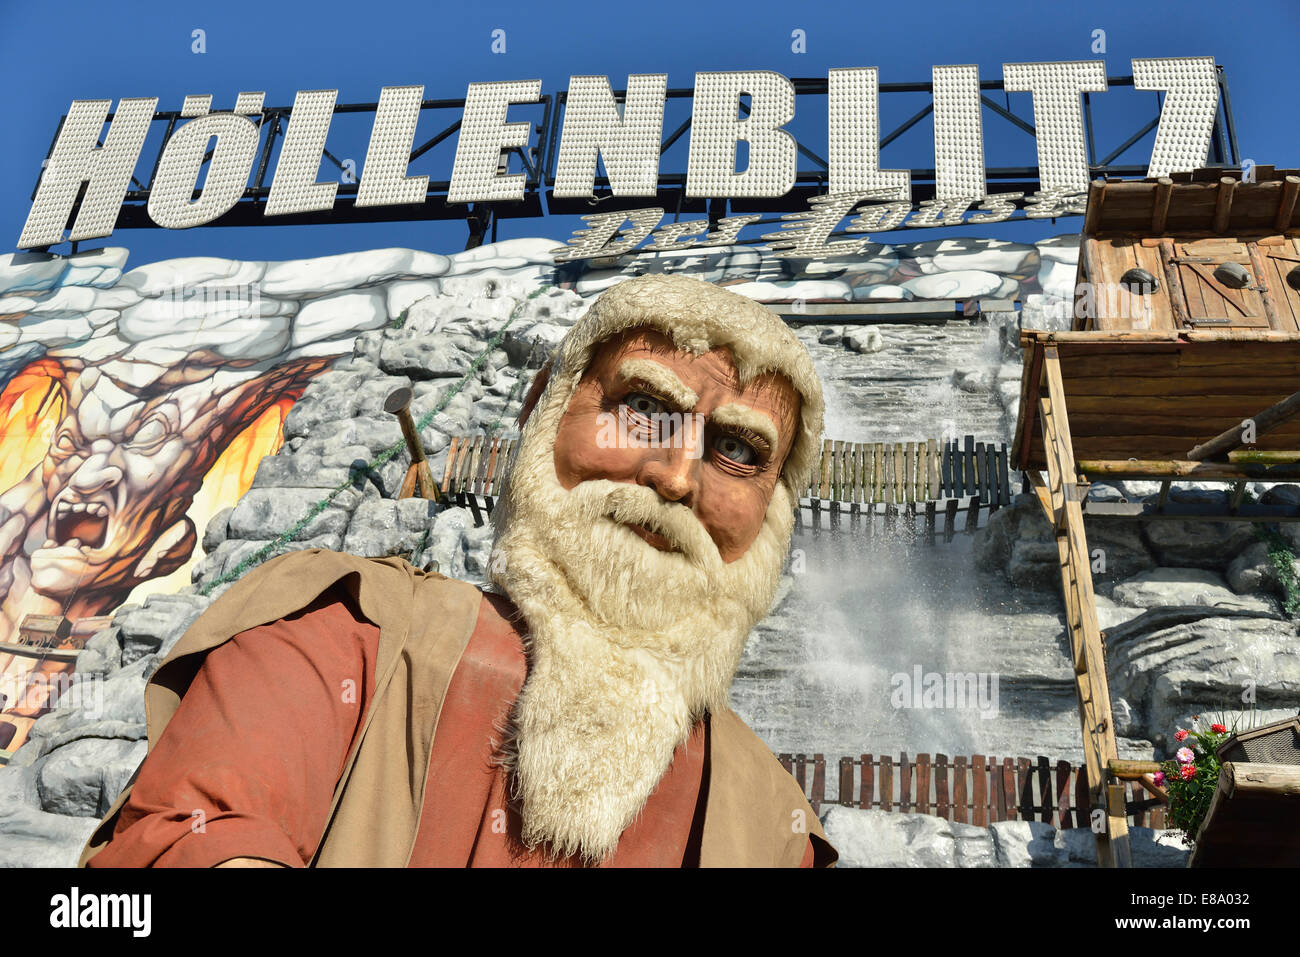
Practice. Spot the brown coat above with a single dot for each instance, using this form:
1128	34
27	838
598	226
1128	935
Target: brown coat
756	814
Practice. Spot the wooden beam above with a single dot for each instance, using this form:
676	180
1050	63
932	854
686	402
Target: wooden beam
1132	770
1042	493
1096	195
1286	203
1092	690
1275	320
1157	469
1160	212
1234	437
1223	204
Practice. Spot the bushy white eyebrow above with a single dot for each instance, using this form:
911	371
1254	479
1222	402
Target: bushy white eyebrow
660	377
735	414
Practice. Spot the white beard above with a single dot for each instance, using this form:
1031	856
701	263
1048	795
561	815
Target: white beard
628	645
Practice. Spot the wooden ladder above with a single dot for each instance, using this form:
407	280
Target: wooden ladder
1061	497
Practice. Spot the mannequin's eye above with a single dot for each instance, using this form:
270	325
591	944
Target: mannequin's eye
735	449
643	404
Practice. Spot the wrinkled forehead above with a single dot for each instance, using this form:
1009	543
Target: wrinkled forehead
107	411
771	392
718	363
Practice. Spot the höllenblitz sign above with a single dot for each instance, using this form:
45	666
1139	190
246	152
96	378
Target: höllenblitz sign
627	137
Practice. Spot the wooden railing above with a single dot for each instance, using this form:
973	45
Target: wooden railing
970	790
851	478
907	479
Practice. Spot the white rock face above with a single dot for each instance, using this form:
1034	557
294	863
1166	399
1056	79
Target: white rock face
953	285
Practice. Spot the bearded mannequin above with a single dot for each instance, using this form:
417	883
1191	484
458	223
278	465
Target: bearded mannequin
640	537
630	644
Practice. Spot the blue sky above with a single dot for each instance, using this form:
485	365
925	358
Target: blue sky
51	54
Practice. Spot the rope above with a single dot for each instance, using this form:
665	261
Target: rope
380	460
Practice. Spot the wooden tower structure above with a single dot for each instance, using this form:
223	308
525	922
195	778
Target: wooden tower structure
1182	363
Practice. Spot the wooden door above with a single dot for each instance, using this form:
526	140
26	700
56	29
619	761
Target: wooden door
1280	258
1206	302
1117	307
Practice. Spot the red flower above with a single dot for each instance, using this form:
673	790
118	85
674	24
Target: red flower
1188	771
1180	735
1218	729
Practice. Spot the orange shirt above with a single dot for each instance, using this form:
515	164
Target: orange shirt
248	765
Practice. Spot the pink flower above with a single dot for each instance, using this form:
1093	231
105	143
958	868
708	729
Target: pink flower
1188	771
1180	735
1185	756
1159	778
1218	729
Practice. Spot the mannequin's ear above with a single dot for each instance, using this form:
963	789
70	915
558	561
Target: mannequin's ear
535	392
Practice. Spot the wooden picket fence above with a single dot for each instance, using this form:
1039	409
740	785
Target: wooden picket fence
907	478
851	478
475	469
970	790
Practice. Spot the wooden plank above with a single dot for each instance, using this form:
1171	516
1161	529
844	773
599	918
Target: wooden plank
979	790
898	475
801	771
818	796
923	784
972	515
1045	790
1004	477
449	468
959	803
1188	385
1012	788
462	463
493	469
946	478
1025	789
929	522
909	472
845	796
1134	793
886	783
878	472
932	484
472	471
868	784
904	783
837	470
950	519
1063	773
981	473
787	762
481	469
1082	798
1096	196
968	466
824	489
862	471
1174	284
941	806
1263	279
997	789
